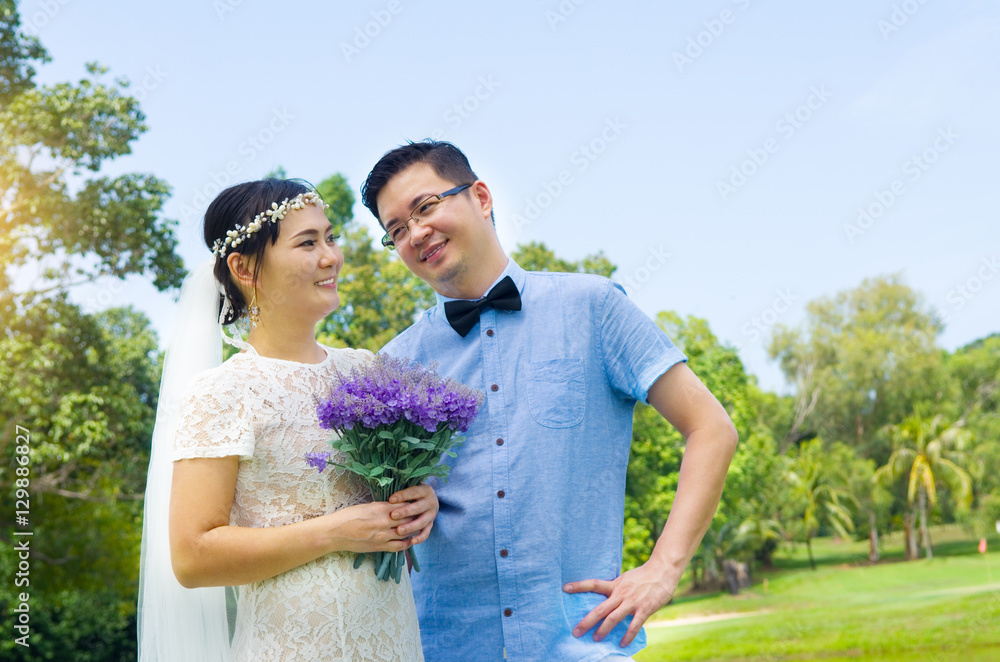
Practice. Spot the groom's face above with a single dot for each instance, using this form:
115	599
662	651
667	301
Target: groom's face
443	250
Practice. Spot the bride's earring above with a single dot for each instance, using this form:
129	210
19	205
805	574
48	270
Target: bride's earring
253	311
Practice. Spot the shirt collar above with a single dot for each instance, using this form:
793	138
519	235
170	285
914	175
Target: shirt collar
513	269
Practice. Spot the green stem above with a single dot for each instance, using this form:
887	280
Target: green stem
382	572
400	562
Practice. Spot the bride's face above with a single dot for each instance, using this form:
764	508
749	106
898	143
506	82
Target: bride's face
298	277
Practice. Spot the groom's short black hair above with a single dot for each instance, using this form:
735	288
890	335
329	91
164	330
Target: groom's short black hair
448	162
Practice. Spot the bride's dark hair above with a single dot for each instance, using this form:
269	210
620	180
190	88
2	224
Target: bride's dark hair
238	205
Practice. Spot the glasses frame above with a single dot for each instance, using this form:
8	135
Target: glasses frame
387	240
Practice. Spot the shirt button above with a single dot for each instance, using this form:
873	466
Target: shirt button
489	332
508	612
504	553
500	494
499	442
494	388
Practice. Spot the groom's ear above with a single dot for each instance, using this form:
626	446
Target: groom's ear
241	269
483	197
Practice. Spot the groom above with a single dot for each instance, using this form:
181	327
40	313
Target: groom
524	559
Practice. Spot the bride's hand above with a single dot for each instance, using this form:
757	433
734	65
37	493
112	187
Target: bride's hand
367	527
416	515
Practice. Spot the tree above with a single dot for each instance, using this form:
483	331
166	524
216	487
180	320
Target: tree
864	359
17	52
754	500
83	386
379	297
976	370
538	257
820	487
870	497
929	452
650	483
747	521
115	223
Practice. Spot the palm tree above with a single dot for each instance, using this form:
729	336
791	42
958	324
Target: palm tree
823	490
931	452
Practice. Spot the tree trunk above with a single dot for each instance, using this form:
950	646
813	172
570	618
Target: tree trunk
809	546
872	537
925	533
910	538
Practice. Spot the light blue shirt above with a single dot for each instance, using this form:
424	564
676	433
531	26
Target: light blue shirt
536	496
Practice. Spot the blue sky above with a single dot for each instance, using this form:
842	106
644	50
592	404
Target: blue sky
720	153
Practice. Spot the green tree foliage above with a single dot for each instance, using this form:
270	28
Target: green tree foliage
820	486
538	257
17	52
864	359
975	368
651	480
871	501
84	386
50	132
746	521
928	452
753	501
379	297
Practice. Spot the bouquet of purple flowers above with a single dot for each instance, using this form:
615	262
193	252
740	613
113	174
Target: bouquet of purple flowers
394	422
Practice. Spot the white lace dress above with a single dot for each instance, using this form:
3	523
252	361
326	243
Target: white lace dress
264	411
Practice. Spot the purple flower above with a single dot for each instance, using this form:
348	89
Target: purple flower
318	460
389	390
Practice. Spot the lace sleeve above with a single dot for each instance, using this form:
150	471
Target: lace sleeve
215	418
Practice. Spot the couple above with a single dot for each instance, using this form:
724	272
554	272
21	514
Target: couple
520	551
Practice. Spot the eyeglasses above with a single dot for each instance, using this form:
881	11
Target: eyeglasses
422	212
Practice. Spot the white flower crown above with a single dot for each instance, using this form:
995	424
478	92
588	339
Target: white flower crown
277	212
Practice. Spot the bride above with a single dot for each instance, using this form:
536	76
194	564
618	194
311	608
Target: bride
245	509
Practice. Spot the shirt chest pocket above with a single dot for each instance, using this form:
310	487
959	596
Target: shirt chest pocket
557	392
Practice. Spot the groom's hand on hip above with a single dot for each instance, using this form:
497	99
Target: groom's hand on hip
640	592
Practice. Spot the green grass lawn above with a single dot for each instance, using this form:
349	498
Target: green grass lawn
947	608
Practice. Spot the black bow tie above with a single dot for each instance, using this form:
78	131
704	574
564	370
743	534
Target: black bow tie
463	315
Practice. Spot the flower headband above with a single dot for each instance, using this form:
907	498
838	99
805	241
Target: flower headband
277	212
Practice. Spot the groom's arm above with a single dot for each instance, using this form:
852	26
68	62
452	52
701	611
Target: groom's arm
680	397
